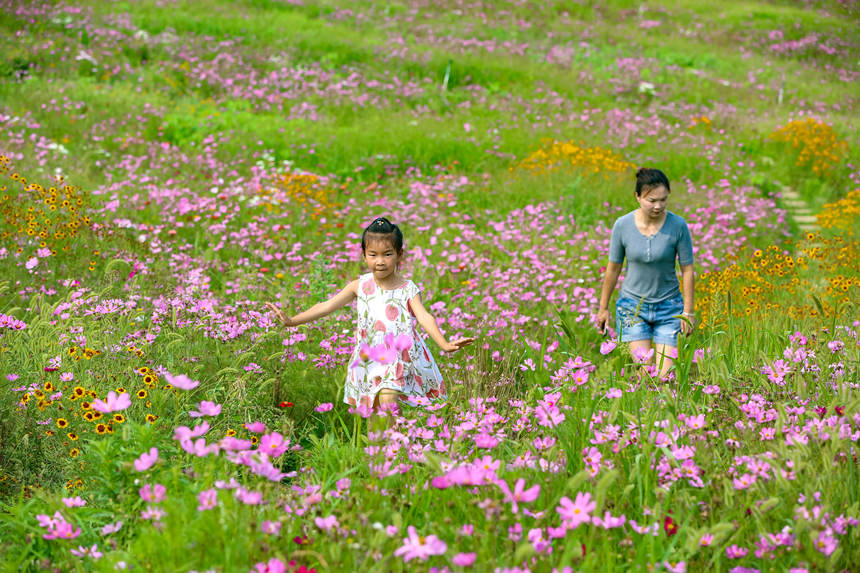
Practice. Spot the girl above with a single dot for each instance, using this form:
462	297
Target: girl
390	359
650	303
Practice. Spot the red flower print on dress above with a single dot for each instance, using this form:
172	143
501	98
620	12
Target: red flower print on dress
369	287
379	326
391	312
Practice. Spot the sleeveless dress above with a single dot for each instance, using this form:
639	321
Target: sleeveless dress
383	312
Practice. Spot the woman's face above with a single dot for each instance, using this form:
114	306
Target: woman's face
653	201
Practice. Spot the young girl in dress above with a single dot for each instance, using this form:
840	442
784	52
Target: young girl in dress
390	359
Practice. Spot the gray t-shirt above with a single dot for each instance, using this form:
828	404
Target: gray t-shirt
650	275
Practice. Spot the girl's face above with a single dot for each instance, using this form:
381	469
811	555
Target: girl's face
653	202
381	258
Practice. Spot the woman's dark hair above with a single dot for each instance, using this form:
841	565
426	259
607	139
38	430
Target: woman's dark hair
647	179
384	230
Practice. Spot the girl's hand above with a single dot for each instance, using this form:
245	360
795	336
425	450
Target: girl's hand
280	315
456	345
602	320
688	323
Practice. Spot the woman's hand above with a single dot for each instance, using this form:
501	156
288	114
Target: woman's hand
602	320
456	345
280	315
688	323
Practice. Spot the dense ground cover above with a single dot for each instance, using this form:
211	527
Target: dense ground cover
169	167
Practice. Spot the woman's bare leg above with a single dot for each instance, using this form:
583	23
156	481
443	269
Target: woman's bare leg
640	348
665	355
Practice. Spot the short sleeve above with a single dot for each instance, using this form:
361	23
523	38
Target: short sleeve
411	290
685	245
616	245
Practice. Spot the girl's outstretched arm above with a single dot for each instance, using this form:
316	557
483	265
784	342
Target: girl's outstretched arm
426	320
318	310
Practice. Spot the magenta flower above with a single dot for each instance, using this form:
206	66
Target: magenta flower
153	513
614	393
325	407
608	346
184	433
206	408
575	513
181	381
113	403
208	499
520	494
825	542
146	460
706	539
416	547
608	521
272	528
76	501
735	552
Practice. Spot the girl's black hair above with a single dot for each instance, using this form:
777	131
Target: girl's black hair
382	229
647	179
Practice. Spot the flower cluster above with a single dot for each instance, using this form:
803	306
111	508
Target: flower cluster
569	154
816	143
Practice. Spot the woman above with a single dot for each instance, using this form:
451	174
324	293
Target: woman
650	305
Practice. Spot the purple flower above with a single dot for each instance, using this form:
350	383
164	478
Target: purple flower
324	407
181	381
206	408
114	403
146	460
416	547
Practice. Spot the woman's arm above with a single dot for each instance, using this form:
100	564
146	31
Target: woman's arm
688	288
428	323
613	271
319	310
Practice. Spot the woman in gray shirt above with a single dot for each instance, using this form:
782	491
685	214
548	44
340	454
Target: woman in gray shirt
651	303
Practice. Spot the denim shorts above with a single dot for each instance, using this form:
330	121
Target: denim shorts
646	321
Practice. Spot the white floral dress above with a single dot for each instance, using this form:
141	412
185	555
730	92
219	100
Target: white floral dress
413	372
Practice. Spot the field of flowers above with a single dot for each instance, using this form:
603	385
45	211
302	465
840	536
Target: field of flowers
168	167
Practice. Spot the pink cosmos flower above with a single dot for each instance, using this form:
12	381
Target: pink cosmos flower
520	493
153	513
273	444
153	494
184	433
614	393
113	403
272	528
416	547
274	565
575	513
608	521
248	497
181	381
146	460
696	422
111	528
62	530
608	346
706	539
93	552
256	427
464	559
208	499
736	552
325	407
76	501
206	409
825	542
326	523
